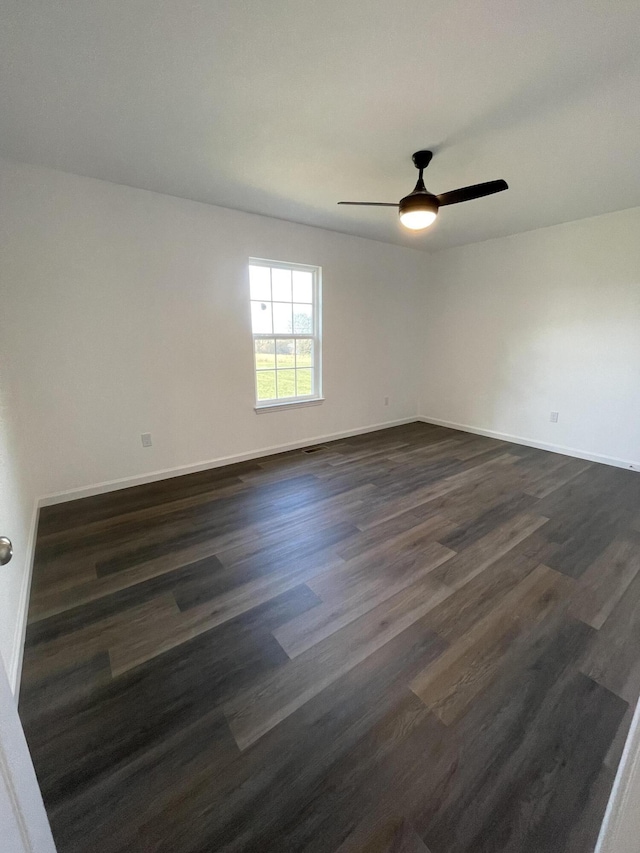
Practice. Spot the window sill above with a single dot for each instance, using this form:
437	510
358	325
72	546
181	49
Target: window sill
294	404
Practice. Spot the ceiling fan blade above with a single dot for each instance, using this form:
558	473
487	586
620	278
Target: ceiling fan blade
370	203
469	193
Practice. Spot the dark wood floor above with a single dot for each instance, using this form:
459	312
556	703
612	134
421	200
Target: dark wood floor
416	638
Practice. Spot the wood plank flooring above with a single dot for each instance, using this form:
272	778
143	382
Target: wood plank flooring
412	640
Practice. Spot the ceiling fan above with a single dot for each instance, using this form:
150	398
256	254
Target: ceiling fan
420	208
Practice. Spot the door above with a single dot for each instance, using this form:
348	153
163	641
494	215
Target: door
24	827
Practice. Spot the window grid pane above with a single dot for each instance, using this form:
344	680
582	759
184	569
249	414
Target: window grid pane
281	285
304	382
302	286
302	319
266	384
282	317
260	283
265	356
285	352
286	382
261	318
304	352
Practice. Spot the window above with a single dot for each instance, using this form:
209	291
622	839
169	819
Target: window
285	318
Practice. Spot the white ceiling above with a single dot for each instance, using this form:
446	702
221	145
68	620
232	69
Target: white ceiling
285	107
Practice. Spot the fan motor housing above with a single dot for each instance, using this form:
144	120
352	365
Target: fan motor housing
418	201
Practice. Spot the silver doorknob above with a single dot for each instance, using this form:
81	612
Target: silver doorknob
6	550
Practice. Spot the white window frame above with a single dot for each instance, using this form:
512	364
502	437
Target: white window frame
315	336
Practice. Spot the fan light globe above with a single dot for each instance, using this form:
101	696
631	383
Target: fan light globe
416	220
418	209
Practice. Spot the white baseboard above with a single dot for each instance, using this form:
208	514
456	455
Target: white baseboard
15	664
541	445
153	476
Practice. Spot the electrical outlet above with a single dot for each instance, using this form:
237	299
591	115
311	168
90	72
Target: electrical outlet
386	401
146	439
554	417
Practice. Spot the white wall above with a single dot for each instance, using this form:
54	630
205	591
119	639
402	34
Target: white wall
127	311
515	328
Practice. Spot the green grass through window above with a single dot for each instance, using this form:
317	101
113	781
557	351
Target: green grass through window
290	383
